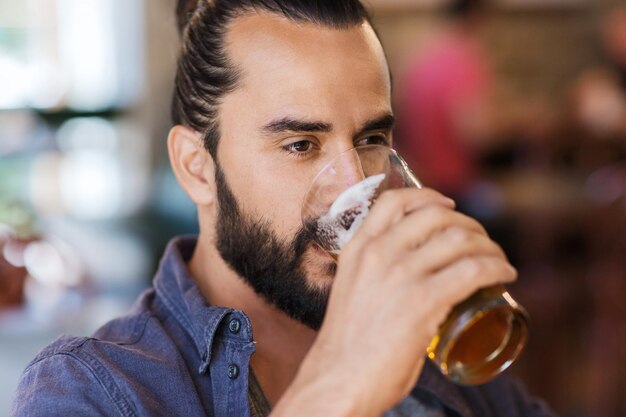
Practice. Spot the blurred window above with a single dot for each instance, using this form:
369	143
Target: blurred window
82	55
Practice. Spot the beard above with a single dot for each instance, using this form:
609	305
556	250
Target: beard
273	267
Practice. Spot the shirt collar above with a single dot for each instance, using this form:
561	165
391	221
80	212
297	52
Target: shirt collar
174	284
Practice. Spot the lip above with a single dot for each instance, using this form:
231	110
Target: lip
318	249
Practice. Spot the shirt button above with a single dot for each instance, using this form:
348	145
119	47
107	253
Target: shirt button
234	326
233	371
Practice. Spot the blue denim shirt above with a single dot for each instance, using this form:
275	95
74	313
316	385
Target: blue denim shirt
174	355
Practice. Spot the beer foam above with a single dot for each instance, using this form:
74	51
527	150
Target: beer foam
347	213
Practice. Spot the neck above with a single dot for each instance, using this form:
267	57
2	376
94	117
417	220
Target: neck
281	342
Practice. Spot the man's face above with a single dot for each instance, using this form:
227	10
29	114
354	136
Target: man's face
306	93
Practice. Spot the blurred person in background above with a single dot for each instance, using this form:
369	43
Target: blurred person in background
454	117
263	90
445	108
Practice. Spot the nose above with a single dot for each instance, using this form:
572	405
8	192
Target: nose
344	170
347	169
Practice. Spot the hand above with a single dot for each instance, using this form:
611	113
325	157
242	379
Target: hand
413	259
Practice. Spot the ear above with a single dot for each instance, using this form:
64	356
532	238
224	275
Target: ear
192	164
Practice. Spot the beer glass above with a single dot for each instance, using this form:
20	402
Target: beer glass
482	335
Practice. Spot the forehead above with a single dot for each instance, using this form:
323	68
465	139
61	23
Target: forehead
287	59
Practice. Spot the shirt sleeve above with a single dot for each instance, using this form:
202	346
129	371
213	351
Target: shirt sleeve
64	385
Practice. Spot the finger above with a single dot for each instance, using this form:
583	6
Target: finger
421	225
393	205
464	277
380	253
446	248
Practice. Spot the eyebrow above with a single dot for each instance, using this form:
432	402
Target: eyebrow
288	124
385	122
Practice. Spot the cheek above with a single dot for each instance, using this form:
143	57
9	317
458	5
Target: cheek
272	193
266	183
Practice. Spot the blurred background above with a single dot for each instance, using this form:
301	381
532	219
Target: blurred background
516	108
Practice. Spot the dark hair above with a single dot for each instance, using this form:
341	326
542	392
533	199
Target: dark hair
204	73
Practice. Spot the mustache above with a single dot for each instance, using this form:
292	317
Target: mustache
309	233
306	234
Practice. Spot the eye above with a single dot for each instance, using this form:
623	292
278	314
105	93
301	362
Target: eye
299	148
376	139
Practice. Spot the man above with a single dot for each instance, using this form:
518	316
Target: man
266	91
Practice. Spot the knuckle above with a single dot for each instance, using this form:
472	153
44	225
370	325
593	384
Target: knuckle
459	235
402	198
372	254
498	249
487	247
390	199
470	223
429	194
486	269
401	270
471	268
436	214
397	270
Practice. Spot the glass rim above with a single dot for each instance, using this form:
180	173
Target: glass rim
356	149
